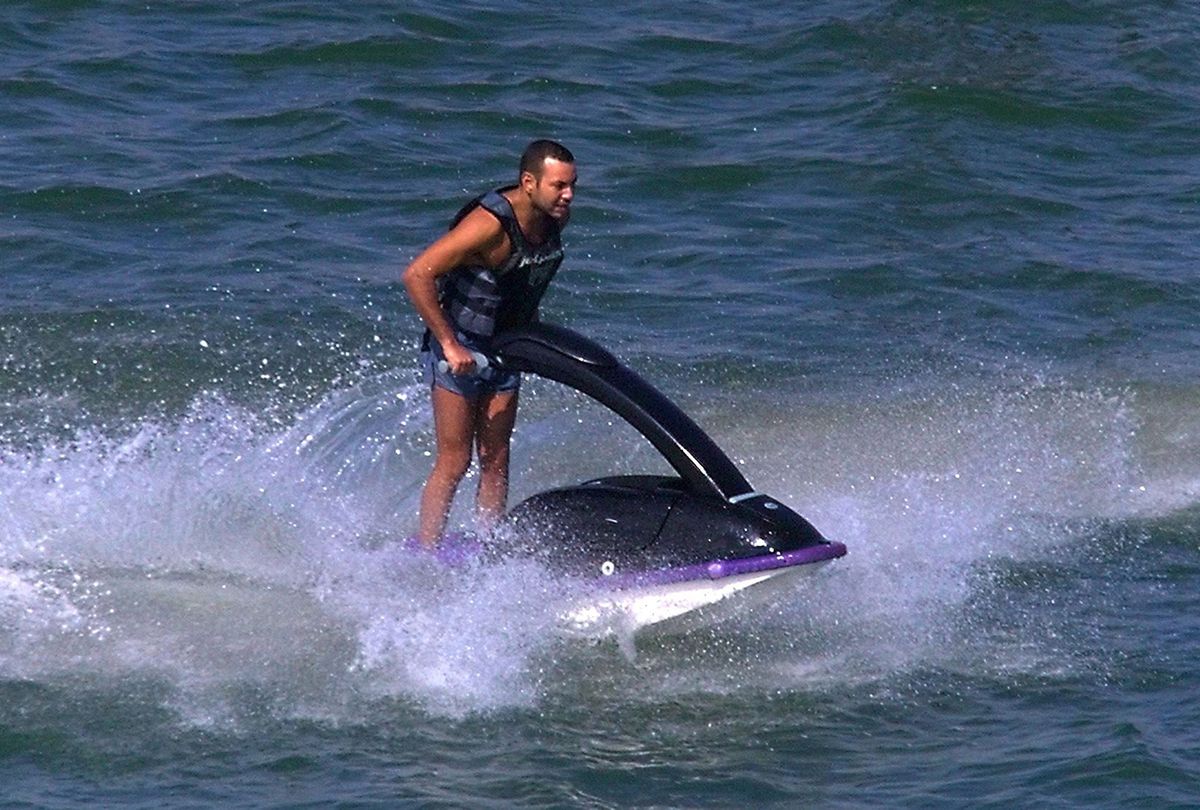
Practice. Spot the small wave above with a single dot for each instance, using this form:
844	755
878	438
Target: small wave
70	198
377	51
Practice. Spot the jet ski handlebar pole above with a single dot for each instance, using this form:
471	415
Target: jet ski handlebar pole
567	357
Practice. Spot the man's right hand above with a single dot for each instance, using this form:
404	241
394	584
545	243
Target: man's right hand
458	358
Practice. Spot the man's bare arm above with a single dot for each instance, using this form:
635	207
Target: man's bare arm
475	240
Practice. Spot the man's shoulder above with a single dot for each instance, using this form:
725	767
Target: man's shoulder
498	203
479	221
492	201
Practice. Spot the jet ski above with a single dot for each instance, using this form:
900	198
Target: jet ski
656	549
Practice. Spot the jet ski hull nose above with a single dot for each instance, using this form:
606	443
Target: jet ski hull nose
656	553
685	598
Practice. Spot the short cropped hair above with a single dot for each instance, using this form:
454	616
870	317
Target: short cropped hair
536	153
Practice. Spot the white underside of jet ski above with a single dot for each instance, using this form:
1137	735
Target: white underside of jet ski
682	605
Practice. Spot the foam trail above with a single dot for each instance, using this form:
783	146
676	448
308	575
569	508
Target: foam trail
222	551
939	498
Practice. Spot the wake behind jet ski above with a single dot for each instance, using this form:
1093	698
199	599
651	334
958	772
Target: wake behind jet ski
660	547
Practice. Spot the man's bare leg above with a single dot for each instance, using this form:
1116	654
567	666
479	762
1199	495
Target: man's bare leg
494	426
454	419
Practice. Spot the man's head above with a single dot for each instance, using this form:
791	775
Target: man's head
535	155
547	176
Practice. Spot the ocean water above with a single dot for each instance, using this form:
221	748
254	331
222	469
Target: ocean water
925	269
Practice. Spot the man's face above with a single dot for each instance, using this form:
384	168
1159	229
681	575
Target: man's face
553	191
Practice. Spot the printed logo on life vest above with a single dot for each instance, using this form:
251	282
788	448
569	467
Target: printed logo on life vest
541	266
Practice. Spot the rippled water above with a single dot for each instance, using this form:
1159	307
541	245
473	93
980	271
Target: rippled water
925	270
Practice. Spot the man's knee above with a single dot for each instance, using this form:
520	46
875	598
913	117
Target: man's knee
452	464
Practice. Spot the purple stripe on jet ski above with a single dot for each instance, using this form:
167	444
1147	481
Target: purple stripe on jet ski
718	569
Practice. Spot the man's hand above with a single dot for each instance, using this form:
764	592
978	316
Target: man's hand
459	359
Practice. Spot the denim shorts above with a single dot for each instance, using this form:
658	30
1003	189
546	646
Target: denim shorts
477	383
